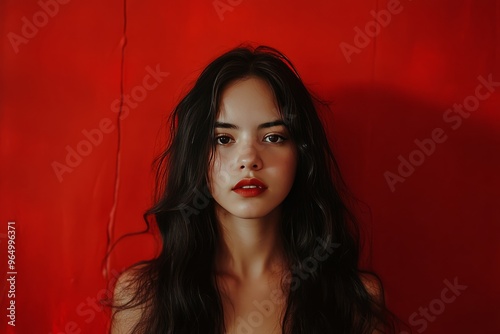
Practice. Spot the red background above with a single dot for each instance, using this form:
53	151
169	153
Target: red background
441	223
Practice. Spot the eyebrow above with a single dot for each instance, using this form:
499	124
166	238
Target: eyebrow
223	125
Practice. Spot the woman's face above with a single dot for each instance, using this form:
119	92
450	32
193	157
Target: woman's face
254	163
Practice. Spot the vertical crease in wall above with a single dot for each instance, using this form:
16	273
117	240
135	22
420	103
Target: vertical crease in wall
112	213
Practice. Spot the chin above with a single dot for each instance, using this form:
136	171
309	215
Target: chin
249	213
252	211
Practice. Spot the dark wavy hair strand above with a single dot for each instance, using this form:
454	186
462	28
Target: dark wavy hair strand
178	288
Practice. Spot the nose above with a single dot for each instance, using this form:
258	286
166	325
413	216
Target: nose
249	158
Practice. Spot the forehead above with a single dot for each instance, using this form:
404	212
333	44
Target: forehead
248	100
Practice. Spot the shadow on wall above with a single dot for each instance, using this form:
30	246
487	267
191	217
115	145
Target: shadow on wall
428	171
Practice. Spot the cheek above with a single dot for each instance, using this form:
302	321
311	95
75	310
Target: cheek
218	175
284	166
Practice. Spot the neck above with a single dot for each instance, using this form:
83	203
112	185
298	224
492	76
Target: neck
249	248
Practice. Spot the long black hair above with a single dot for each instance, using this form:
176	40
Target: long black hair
178	290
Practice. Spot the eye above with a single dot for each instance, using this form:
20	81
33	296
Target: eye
274	139
222	140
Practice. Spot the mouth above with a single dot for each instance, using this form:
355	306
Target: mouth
250	187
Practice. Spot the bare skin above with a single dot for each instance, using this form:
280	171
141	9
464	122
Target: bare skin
250	267
250	262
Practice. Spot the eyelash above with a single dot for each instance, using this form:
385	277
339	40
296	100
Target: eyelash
281	139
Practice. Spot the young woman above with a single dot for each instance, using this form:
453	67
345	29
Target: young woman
256	233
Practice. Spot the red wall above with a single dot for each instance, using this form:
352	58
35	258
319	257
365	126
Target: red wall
392	86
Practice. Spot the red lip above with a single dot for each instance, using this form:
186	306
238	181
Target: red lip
258	187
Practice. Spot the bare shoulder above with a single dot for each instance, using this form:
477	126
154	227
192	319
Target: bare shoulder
373	286
125	314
